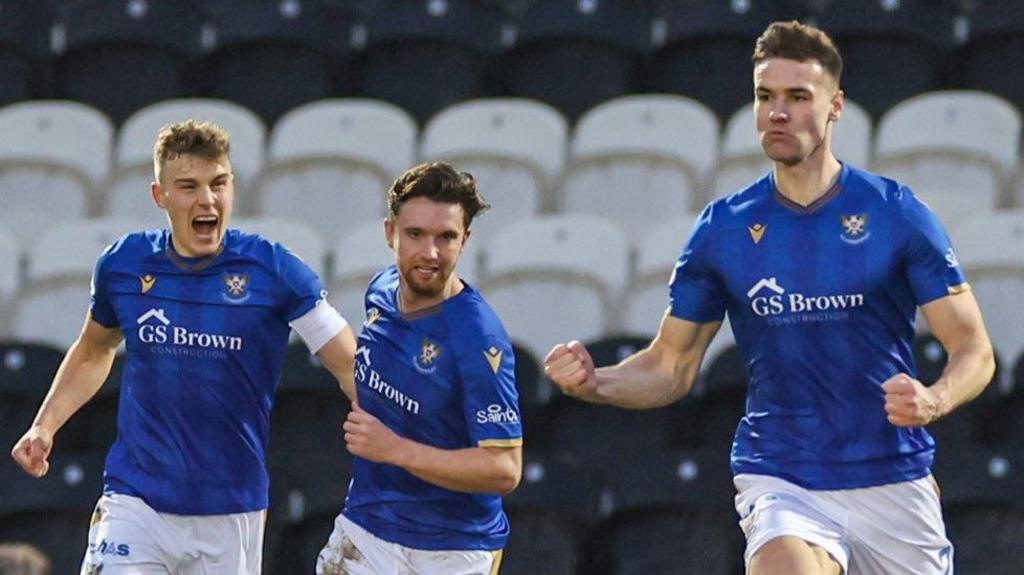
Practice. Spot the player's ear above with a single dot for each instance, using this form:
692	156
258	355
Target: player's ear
389	227
158	195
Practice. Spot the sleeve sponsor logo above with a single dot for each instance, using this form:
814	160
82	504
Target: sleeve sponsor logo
497	414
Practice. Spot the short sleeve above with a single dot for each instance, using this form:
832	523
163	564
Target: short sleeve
100	308
695	291
931	264
302	286
490	399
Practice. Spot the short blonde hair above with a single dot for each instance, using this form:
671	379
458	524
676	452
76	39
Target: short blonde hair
193	137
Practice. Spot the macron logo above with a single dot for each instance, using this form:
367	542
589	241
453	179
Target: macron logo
157	313
769	283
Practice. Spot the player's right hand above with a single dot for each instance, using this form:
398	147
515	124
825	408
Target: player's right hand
32	451
572	369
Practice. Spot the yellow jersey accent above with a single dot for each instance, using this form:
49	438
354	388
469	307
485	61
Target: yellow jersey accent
757	232
147	282
493	356
514	442
959	288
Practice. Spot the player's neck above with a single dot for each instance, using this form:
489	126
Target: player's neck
809	180
410	302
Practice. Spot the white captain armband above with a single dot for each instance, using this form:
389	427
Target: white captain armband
319	325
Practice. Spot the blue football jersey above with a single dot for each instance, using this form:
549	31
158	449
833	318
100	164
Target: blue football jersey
822	302
445	377
205	341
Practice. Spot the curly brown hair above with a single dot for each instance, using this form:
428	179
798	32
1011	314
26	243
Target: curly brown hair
193	137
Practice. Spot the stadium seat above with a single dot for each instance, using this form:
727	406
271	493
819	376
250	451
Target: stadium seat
743	161
362	252
93	428
955	149
981	489
551	511
127	190
603	437
52	304
53	153
300	239
908	36
426	55
534	390
52	513
24	38
989	249
10	271
554	278
123	55
723	397
26	370
595	44
702	50
647	297
671	513
274	55
640	160
514	147
996	34
310	468
331	162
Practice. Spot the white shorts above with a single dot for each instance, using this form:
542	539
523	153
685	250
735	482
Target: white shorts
352	550
893	529
128	537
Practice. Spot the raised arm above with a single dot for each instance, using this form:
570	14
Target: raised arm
655	376
956	322
81	374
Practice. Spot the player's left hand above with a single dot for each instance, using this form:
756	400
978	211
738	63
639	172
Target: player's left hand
367	437
908	403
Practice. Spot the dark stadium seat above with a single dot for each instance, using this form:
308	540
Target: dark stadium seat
123	55
534	389
574	55
891	50
94	427
672	512
24	35
274	56
992	58
305	498
26	371
611	350
309	465
599	434
722	399
702	50
52	513
555	505
309	410
424	55
982	490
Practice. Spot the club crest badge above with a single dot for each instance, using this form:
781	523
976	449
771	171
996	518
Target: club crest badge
429	353
855	228
236	286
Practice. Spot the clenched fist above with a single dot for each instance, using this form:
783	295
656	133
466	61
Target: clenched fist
572	369
909	403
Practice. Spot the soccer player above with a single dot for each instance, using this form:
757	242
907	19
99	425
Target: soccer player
821	266
205	312
436	430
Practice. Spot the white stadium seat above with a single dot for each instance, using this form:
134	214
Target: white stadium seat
331	162
640	159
